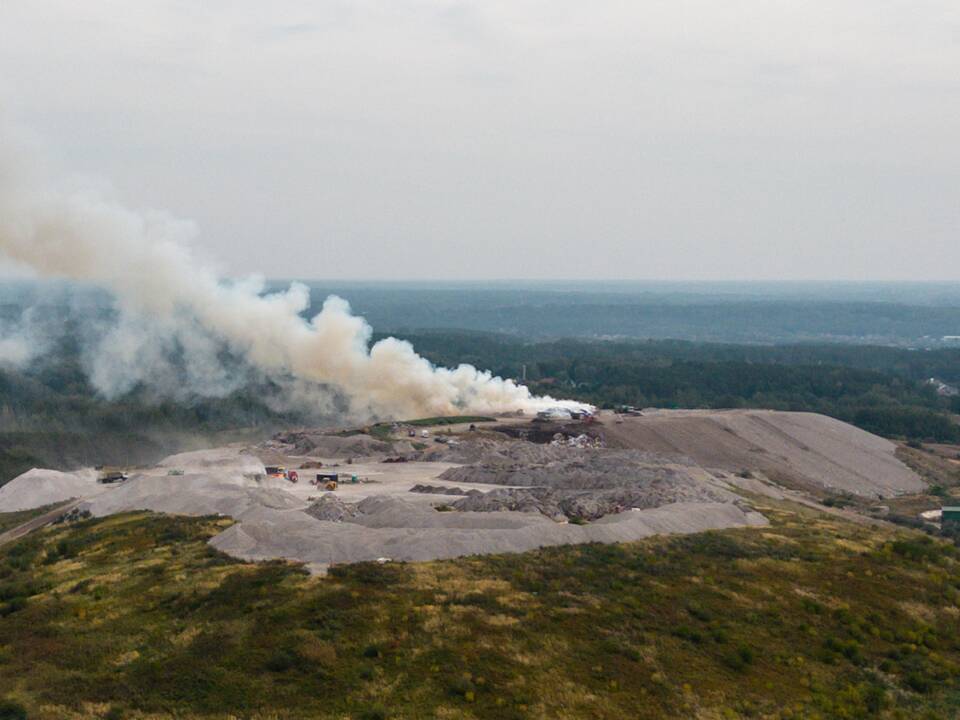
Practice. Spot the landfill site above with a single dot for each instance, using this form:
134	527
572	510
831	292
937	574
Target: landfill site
421	491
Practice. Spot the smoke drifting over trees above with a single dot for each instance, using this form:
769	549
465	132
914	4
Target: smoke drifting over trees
179	327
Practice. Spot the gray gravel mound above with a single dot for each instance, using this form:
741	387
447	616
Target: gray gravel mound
442	490
191	494
803	450
641	480
36	488
534	500
266	533
317	443
332	509
392	512
526	464
592	504
577	483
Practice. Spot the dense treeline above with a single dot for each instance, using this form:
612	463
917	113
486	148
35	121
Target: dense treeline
880	389
505	354
745	314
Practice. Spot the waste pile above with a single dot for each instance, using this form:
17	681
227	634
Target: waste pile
581	441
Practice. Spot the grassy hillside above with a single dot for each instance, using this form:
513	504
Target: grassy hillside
134	616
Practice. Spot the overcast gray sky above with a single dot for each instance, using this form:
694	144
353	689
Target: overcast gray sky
511	139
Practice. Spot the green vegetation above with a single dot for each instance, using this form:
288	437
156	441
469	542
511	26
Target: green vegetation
448	420
380	431
809	618
727	312
10	520
384	430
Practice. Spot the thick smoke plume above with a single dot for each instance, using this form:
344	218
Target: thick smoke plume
166	295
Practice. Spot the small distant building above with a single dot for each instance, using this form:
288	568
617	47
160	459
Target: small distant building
942	389
950	515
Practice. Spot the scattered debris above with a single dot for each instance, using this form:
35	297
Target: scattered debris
581	441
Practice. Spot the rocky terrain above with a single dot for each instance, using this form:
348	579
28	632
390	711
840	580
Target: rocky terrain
485	491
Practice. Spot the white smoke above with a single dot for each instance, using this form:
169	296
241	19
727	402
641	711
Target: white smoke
16	350
22	339
167	297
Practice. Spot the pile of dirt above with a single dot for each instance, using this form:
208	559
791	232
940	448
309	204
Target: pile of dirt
526	465
394	529
533	500
546	432
577	483
36	488
465	452
332	509
507	453
442	490
320	444
192	494
804	450
563	504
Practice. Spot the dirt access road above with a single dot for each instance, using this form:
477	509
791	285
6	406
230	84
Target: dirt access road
38	522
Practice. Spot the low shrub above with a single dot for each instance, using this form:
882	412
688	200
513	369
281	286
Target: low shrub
10	710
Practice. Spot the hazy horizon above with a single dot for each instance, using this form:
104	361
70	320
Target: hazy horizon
923	315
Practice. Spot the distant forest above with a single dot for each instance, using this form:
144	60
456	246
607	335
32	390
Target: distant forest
915	315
